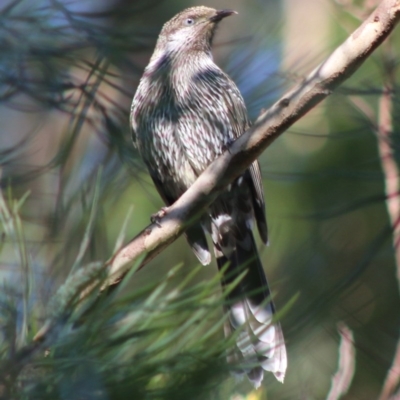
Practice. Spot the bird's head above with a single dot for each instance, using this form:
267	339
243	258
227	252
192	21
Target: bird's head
191	30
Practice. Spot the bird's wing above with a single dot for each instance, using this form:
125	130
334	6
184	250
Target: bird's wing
239	121
131	124
258	200
195	234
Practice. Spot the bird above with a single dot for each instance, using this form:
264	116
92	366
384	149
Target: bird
185	113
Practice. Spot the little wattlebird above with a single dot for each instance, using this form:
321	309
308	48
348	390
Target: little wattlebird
185	113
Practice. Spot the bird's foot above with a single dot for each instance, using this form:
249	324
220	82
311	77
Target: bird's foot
158	216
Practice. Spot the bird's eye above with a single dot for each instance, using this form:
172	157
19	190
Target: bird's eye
189	21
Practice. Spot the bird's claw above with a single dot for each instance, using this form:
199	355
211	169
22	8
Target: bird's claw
158	216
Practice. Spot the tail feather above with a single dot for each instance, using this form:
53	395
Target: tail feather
197	240
250	308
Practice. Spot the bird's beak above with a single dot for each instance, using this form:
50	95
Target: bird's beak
220	14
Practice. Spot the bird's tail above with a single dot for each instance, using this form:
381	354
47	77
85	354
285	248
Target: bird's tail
260	345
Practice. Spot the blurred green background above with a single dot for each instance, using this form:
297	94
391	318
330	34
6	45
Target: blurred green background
69	70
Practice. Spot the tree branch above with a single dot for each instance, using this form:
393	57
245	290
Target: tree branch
320	83
347	359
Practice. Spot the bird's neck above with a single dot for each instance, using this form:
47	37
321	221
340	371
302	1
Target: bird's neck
178	64
178	72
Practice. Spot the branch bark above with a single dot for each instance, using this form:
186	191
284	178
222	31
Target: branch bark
347	359
319	84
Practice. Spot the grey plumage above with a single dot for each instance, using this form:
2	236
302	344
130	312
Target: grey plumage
185	113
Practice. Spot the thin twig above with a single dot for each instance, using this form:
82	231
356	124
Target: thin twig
392	378
344	375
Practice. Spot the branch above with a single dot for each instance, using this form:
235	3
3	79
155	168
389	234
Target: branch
319	84
344	375
392	378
